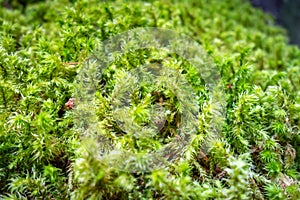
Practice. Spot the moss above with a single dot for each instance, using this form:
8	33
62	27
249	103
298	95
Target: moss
42	49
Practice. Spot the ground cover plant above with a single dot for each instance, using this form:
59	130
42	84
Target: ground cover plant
43	46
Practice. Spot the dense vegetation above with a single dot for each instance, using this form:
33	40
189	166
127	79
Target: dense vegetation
42	48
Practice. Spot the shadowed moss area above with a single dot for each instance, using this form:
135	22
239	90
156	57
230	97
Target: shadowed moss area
286	13
290	18
42	48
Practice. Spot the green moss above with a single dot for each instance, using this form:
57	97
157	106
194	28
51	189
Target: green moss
42	49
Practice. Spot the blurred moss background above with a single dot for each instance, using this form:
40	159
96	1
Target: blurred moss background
286	13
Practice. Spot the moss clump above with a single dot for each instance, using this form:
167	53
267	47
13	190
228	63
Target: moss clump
42	48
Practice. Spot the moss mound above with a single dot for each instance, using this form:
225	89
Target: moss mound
43	47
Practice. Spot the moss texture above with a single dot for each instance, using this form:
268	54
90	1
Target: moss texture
42	47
